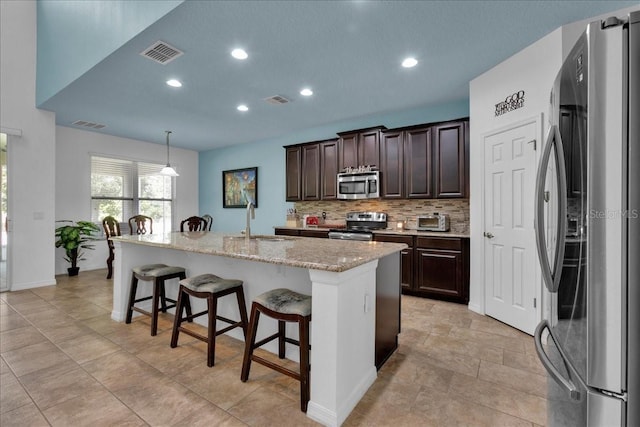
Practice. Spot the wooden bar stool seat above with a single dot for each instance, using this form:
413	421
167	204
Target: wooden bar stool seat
211	287
284	305
158	274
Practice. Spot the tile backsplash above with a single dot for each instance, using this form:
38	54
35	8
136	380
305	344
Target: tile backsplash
397	210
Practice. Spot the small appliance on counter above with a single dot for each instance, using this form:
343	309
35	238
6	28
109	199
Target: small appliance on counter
433	222
310	221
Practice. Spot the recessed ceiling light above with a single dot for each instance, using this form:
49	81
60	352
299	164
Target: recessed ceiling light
239	54
242	107
174	83
409	62
306	92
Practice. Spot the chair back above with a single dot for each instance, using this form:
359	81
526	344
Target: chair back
209	220
193	223
111	227
140	224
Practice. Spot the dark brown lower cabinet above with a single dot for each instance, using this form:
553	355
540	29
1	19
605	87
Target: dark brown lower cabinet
309	232
442	269
406	257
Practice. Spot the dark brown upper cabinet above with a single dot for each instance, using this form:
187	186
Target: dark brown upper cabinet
359	148
392	163
451	145
329	170
293	164
418	160
311	172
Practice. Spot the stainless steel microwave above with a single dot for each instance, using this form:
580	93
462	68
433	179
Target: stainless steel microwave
359	185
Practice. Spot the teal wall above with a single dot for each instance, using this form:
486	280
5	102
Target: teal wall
73	36
268	156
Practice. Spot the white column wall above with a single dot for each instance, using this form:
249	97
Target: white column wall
31	180
532	70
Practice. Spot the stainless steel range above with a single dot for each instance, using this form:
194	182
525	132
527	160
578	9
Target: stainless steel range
360	226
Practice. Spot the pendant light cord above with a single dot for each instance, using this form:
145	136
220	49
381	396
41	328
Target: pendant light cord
168	133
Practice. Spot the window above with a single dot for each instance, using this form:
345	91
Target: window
124	188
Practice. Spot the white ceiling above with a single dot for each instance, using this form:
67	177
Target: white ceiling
349	53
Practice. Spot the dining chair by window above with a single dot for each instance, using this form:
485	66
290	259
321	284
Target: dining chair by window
111	228
193	223
140	224
209	220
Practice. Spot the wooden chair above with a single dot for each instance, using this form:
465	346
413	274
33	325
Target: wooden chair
138	224
209	220
284	305
194	223
211	288
111	228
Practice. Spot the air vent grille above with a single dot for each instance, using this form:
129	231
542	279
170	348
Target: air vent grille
277	100
86	124
161	52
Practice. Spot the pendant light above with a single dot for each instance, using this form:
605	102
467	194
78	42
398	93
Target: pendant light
168	170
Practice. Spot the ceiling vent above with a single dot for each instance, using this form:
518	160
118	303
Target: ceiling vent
277	99
86	124
161	52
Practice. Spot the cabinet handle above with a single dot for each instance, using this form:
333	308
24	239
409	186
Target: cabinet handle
488	235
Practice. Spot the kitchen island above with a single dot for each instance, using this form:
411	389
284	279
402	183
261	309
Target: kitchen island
344	279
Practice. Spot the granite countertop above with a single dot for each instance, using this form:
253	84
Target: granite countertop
303	252
405	232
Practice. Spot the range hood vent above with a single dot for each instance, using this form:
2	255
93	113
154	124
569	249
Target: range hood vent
161	52
277	100
86	124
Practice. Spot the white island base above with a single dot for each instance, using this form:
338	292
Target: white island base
343	314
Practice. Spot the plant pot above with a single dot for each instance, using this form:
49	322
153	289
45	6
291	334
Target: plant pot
73	271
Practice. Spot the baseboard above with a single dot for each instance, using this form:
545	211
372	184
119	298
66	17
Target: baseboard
30	285
334	419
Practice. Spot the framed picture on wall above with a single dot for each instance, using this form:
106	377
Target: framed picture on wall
239	187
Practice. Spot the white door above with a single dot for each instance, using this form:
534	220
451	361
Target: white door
510	258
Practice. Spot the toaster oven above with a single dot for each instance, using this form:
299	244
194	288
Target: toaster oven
434	222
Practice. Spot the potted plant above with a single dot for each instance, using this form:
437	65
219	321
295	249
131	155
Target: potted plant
74	237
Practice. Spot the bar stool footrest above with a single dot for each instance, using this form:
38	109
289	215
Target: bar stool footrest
276	367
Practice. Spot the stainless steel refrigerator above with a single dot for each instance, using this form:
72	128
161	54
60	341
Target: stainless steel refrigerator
588	231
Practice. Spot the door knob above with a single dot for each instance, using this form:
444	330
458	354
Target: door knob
488	235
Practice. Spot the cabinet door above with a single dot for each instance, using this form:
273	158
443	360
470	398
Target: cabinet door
417	160
406	268
439	273
286	232
293	162
450	160
329	170
311	172
406	256
391	167
348	146
324	234
369	148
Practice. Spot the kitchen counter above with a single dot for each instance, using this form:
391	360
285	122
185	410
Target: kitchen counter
351	285
395	231
316	254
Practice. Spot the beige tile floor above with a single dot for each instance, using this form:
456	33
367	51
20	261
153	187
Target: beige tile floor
64	362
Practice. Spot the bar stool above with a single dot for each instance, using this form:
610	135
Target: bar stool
211	287
158	273
284	305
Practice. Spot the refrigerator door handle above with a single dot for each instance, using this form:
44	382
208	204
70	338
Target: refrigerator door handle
551	277
548	365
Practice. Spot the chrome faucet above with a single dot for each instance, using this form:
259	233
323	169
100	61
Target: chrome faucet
251	214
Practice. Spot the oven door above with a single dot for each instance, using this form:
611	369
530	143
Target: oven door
351	235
